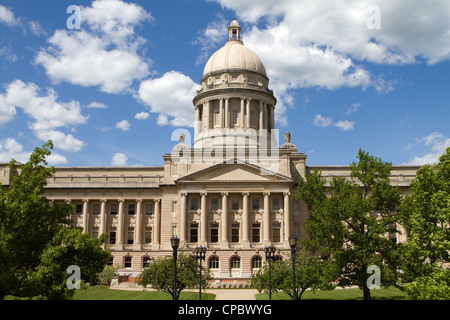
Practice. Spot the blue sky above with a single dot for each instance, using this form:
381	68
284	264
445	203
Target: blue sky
347	75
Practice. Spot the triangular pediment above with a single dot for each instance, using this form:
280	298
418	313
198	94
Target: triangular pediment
235	171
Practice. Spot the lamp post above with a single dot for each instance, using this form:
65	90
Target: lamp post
293	244
175	242
200	253
270	253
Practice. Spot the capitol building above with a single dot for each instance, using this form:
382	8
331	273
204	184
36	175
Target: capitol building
229	187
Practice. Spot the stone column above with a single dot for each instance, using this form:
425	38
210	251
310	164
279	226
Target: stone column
138	233
261	115
266	219
156	224
266	116
119	243
203	219
221	112
247	116
227	114
287	218
85	216
102	228
241	123
224	221
197	122
183	218
207	115
245	221
272	117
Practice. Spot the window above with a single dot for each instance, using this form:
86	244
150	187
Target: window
235	232
148	235
214	263
256	262
112	236
127	262
194	203
214	204
174	231
96	208
216	119
252	119
214	232
235	262
95	232
255	204
234	118
276	231
194	232
110	261
131	209
78	208
174	169
146	261
113	209
130	236
275	203
234	203
256	232
174	206
149	209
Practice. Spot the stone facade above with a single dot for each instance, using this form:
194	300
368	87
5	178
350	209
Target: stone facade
231	191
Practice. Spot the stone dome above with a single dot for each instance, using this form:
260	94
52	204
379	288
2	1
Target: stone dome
234	56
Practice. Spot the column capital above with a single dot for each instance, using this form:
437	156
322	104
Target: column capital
183	194
287	193
245	194
85	200
266	193
120	200
224	194
138	200
204	194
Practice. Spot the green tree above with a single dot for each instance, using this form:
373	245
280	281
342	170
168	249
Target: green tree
350	220
425	214
310	272
34	234
159	274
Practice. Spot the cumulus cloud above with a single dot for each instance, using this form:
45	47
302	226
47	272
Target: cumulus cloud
7	16
142	115
323	122
345	125
46	111
436	144
119	159
123	125
171	97
104	53
11	149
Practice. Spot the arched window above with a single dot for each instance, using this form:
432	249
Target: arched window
256	262
235	262
213	262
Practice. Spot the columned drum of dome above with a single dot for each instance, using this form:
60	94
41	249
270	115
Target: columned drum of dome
234	106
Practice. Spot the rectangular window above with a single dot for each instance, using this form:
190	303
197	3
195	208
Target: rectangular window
235	232
234	203
256	231
78	208
149	209
95	232
113	209
174	206
131	208
234	118
130	236
174	231
214	204
96	208
214	232
194	203
276	232
148	235
275	203
112	236
255	204
194	232
127	262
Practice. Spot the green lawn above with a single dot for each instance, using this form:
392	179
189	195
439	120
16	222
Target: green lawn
391	293
104	293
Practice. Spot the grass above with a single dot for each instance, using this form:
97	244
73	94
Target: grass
390	293
104	293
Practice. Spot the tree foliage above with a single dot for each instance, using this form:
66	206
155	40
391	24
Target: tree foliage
310	272
425	214
159	274
36	246
351	219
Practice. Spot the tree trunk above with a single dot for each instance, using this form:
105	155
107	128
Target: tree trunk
366	292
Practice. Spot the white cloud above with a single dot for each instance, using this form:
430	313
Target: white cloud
142	115
103	53
7	16
321	121
97	105
119	159
436	143
123	125
11	149
46	111
171	97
